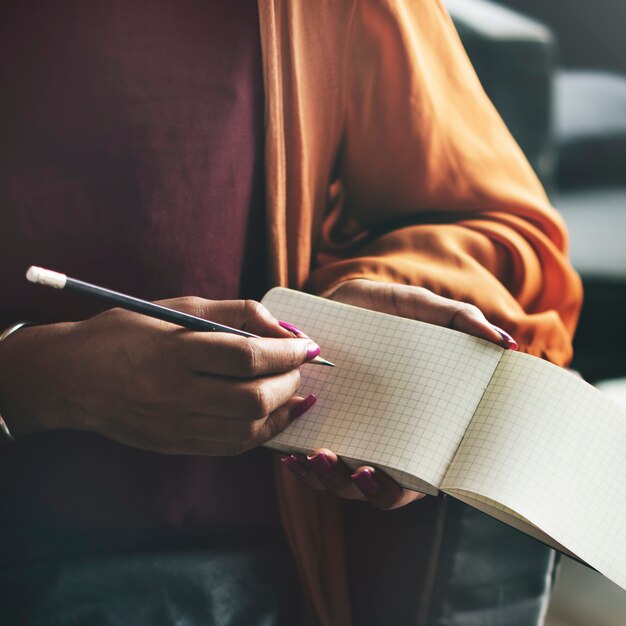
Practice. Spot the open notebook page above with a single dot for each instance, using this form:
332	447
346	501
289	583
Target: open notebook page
402	392
550	448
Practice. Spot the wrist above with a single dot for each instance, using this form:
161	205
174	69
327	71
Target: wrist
28	367
5	433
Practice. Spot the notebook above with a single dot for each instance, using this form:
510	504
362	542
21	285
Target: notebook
521	439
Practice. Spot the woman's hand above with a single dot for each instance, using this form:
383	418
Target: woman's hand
417	303
322	469
156	386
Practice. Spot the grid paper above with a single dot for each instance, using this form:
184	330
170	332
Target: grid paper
551	448
401	395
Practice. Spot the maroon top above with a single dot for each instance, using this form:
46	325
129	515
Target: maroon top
132	158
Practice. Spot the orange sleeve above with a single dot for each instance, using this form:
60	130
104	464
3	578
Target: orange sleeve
435	191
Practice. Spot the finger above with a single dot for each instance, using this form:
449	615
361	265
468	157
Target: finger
297	465
435	309
333	474
253	400
381	490
248	315
239	399
257	319
507	340
323	471
422	304
293	330
469	319
282	417
231	437
407	301
223	354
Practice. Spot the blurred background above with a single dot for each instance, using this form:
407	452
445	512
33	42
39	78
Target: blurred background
556	71
590	33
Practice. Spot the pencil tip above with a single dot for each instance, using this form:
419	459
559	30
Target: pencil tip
322	361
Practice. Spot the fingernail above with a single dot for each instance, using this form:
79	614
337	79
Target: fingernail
366	481
511	344
321	464
302	407
292	329
293	463
312	352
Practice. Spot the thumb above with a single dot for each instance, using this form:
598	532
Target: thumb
470	320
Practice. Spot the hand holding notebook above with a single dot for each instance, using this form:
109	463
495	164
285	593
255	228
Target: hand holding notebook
322	469
510	434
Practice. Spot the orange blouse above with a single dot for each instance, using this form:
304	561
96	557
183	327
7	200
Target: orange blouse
386	160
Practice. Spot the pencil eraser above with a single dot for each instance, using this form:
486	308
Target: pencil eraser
49	278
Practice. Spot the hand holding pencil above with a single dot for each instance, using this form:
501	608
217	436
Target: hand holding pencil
153	385
56	280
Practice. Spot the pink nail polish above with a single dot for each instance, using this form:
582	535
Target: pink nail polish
511	344
321	465
292	329
303	407
312	352
366	481
294	465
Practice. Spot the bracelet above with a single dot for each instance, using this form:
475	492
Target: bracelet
4	429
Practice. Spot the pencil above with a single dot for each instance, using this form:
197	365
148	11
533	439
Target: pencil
41	276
